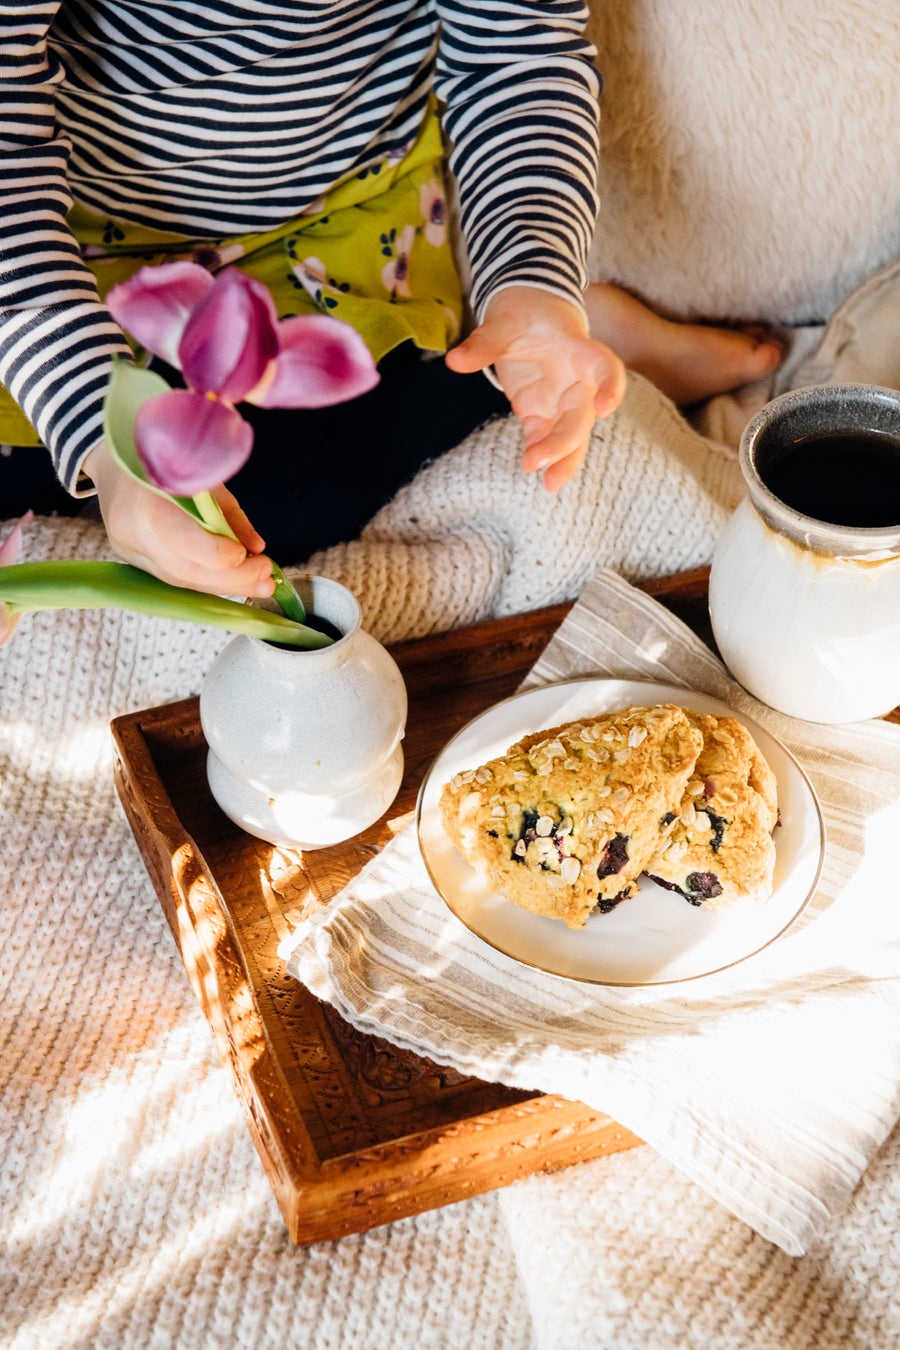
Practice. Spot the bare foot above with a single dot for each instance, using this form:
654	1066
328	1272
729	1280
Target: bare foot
687	361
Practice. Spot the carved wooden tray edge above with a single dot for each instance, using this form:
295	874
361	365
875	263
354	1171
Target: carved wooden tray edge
321	1199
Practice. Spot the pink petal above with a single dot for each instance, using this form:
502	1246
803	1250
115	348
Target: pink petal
230	338
12	544
154	305
322	361
189	443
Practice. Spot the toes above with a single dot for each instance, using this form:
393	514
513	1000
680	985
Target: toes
769	355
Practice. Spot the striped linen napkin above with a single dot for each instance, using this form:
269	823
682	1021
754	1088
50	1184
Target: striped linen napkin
771	1084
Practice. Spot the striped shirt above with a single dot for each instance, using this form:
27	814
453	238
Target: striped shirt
209	118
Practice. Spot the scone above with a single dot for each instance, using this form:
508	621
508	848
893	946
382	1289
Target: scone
721	848
568	818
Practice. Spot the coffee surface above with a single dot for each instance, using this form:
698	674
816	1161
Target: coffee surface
323	626
843	478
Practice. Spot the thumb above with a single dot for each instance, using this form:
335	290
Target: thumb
478	351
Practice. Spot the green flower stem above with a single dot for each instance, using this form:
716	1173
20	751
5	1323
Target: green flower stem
285	594
28	587
211	515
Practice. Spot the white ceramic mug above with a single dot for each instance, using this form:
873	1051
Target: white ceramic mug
805	610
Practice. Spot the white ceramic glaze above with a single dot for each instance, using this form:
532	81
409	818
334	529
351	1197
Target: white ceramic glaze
305	746
806	615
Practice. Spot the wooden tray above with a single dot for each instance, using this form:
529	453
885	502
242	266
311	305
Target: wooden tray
352	1132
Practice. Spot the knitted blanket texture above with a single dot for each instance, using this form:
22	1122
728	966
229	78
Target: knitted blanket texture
134	1211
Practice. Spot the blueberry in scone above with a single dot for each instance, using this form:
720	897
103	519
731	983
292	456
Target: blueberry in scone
568	818
720	849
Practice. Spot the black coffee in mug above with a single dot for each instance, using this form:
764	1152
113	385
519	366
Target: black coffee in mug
849	478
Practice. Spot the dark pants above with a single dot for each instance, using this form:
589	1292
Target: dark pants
316	477
27	480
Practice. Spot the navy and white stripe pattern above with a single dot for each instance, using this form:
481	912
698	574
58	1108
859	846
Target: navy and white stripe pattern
210	118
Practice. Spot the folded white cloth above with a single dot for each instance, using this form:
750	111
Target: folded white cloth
771	1084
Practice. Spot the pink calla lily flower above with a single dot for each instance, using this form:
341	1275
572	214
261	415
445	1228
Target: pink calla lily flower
10	551
11	548
189	443
155	304
321	361
224	335
230	337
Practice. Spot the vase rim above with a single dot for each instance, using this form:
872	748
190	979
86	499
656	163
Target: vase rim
316	589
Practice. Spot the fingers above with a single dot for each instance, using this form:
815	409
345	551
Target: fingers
250	578
151	532
610	388
558	379
231	509
564	440
559	473
166	541
558	443
558	412
179	533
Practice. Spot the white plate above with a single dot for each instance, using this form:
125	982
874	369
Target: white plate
656	937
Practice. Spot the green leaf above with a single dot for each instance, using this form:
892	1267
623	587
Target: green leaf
285	595
29	587
129	387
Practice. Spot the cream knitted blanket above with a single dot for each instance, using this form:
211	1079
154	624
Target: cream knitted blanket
134	1212
473	536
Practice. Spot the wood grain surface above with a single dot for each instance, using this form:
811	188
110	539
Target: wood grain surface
351	1131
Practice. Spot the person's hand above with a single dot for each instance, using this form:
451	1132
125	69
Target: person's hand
557	378
152	533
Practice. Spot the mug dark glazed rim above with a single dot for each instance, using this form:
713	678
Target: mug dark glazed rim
819	534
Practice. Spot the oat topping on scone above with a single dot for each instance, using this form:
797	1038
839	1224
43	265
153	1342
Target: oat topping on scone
567	819
721	849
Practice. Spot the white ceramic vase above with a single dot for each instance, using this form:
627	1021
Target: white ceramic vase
305	746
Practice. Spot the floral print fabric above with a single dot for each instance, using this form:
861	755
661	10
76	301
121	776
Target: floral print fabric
375	251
